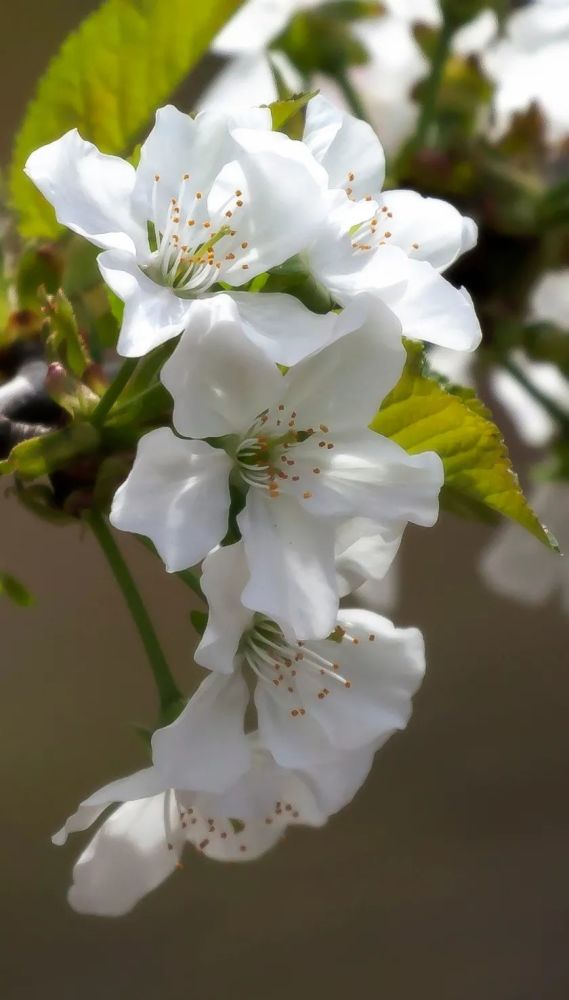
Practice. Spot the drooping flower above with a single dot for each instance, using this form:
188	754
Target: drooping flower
141	843
389	246
519	566
296	448
218	198
315	698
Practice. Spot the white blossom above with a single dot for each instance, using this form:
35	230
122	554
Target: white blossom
141	842
389	246
314	699
296	447
218	198
519	566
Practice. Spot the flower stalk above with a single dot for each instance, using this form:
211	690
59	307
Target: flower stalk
168	691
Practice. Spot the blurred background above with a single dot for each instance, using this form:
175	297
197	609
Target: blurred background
448	876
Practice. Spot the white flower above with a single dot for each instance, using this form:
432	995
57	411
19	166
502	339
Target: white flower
296	447
390	246
517	565
531	65
218	198
315	698
549	303
141	843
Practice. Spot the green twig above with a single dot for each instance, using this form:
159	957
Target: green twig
191	580
106	403
168	690
432	87
353	99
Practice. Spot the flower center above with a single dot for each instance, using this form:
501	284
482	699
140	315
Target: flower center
292	666
374	232
266	456
190	251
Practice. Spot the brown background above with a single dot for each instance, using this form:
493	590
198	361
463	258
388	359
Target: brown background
447	879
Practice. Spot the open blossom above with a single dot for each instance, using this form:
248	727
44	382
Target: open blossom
295	447
519	566
389	246
314	699
141	843
218	198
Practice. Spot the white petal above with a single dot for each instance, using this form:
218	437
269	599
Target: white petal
153	313
426	228
226	843
383	673
291	562
431	309
370	476
347	148
225	574
344	385
206	749
179	144
365	551
177	494
219	380
335	782
275	223
135	786
90	191
127	858
286	330
272	794
346	273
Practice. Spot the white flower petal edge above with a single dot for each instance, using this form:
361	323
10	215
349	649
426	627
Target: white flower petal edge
174	485
218	198
138	846
320	696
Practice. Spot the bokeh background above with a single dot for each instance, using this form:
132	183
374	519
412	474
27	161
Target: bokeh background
446	879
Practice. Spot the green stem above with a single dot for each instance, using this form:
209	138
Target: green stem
551	407
353	99
167	688
106	403
433	84
191	580
153	391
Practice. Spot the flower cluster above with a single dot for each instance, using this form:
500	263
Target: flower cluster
286	280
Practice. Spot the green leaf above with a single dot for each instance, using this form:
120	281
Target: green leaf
41	455
422	415
283	111
107	79
15	591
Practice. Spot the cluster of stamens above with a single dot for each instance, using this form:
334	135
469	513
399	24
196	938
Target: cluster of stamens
266	456
190	253
375	232
281	664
